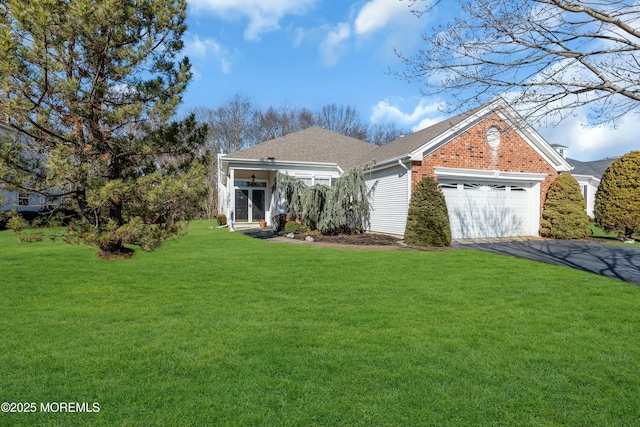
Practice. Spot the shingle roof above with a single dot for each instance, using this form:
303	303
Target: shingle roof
593	168
311	145
409	143
320	145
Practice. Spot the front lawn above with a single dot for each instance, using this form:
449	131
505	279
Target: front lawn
611	237
221	329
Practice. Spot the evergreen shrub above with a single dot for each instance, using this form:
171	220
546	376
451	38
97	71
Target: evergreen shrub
617	207
564	215
295	227
428	217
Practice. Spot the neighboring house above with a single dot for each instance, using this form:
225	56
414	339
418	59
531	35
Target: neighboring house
18	200
494	170
588	175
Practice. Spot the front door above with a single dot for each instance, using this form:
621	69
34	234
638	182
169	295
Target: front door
242	205
250	204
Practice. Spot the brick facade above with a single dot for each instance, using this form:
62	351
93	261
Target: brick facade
470	150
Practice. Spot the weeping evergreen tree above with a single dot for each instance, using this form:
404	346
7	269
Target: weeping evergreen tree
343	208
292	190
349	212
315	201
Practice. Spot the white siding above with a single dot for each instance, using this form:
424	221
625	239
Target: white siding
588	187
389	200
10	200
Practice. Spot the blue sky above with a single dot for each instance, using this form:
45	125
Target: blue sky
309	53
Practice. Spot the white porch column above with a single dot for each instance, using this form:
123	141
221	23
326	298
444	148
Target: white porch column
231	186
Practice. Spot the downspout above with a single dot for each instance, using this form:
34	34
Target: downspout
409	186
232	199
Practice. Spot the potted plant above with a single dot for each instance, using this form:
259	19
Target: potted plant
263	223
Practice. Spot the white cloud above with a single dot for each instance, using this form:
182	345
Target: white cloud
593	143
377	14
196	48
334	42
264	16
423	115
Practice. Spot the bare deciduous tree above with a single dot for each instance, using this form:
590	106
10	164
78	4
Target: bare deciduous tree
232	124
344	120
383	133
549	57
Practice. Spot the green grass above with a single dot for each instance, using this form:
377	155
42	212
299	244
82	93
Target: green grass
598	232
221	329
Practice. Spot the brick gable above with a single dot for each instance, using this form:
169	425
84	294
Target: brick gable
470	150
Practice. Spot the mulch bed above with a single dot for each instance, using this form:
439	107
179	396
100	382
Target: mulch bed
363	241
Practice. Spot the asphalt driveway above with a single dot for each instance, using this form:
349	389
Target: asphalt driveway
619	262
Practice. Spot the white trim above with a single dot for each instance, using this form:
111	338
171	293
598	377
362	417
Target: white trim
392	162
488	175
274	164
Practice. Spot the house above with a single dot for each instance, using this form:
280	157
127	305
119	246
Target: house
314	155
494	170
588	175
17	200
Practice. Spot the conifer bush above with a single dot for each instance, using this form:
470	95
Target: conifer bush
564	215
428	217
617	207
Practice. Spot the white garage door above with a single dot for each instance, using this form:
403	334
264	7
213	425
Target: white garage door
478	210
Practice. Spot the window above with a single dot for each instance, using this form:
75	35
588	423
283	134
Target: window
467	186
23	198
448	185
495	187
306	180
323	181
249	184
309	181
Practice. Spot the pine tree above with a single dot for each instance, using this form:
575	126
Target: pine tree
93	85
428	218
564	215
617	206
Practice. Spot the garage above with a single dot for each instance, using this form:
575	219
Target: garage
506	206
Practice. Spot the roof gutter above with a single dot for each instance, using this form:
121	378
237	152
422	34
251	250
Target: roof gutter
392	162
273	164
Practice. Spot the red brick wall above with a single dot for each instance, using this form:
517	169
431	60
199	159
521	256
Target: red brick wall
471	151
